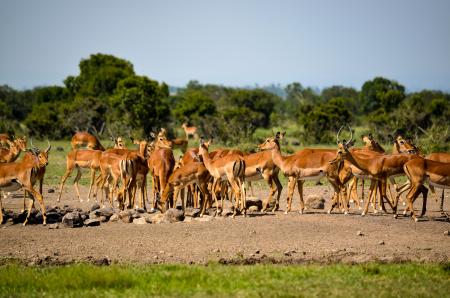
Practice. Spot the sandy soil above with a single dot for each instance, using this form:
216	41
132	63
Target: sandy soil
274	237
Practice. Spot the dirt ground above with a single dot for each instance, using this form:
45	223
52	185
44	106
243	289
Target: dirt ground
258	238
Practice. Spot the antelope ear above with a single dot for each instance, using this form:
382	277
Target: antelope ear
282	134
152	134
370	136
277	135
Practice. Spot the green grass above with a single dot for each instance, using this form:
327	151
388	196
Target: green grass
371	280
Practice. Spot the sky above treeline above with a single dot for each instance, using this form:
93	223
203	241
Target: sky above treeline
234	43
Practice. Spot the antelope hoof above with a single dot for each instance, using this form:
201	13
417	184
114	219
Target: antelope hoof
404	203
359	208
345	212
58	200
416	219
375	211
363	214
286	212
300	211
153	210
404	212
81	200
395	216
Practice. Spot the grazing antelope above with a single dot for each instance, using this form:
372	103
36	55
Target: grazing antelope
421	170
186	175
85	139
189	131
231	168
22	175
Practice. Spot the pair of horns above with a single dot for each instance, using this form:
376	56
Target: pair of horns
339	132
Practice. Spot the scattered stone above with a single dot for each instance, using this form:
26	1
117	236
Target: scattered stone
315	202
94	214
381	243
72	220
173	215
158	218
126	216
446	233
53	226
114	217
216	250
103	218
95	207
187	219
359	233
227	212
161	252
102	261
155	257
253	232
53	217
140	221
59	148
106	211
257	252
287	253
50	190
92	222
192	212
253	209
140	210
256	203
295	143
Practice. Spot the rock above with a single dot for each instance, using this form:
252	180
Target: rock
315	202
192	212
95	207
53	226
94	214
72	220
287	253
257	252
147	217
102	218
253	209
446	233
92	222
227	212
157	218
359	233
53	217
106	211
140	210
216	250
59	148
115	217
381	243
254	202
210	211
50	190
173	215
140	221
295	143
102	261
125	216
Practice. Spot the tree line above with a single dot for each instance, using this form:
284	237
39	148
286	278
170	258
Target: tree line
108	93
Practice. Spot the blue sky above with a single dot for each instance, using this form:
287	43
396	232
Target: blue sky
318	43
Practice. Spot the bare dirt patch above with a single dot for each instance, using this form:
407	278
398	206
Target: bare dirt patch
258	238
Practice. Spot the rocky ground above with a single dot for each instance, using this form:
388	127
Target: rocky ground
84	232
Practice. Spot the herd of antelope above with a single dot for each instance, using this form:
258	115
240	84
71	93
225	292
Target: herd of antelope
202	178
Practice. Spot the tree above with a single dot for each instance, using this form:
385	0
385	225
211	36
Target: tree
192	106
139	102
381	93
99	76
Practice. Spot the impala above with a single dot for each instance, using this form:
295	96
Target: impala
85	139
231	168
22	175
190	131
381	167
421	170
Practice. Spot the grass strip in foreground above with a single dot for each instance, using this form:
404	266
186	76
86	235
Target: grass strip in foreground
83	280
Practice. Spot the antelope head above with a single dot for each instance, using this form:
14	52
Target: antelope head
271	143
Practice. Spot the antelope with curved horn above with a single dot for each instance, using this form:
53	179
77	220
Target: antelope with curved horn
381	167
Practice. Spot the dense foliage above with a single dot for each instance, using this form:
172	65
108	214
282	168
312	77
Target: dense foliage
108	93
